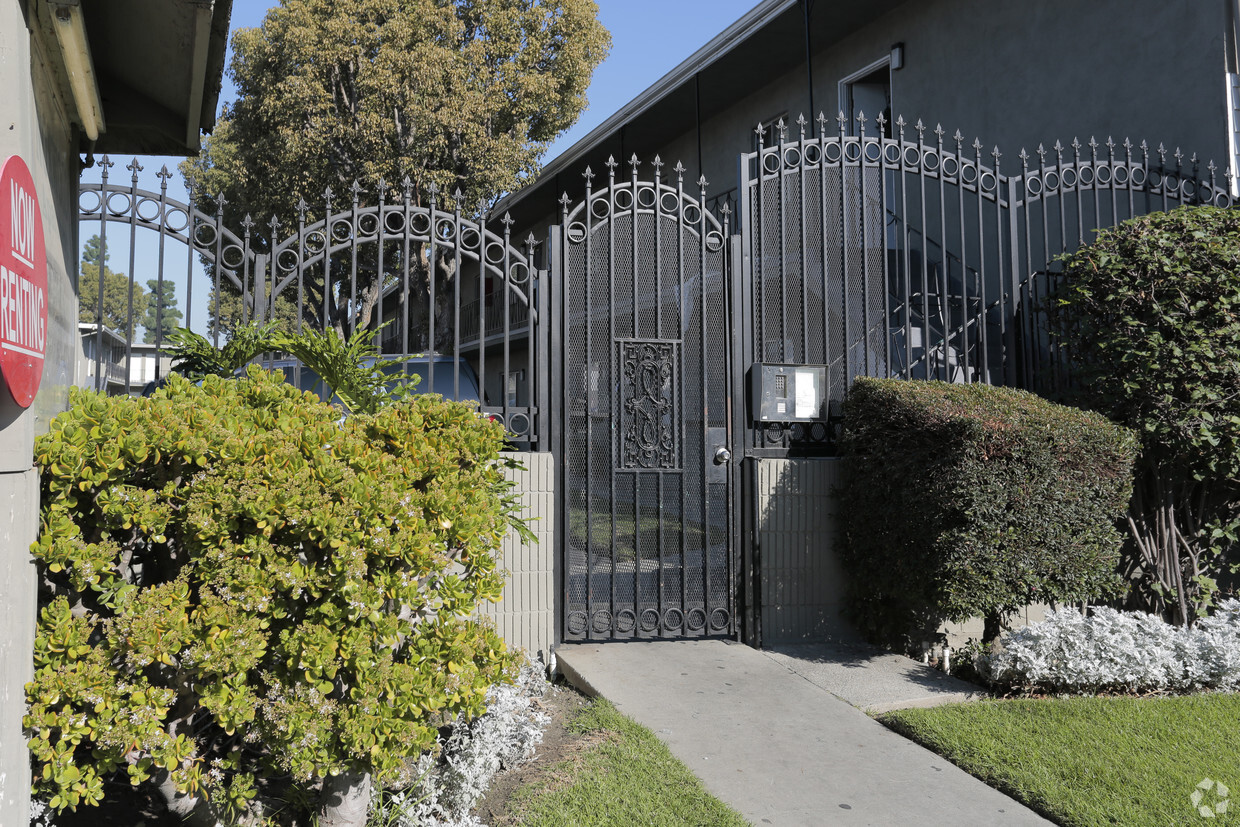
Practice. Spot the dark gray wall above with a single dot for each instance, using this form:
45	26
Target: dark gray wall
35	125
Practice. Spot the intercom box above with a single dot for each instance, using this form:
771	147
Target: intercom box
788	393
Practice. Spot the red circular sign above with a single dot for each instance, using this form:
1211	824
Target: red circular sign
23	283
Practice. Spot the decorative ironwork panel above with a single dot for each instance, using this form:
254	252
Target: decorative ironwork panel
648	403
649	541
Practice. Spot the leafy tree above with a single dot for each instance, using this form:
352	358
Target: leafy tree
161	316
450	95
1151	315
116	292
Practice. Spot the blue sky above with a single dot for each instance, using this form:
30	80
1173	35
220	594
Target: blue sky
649	39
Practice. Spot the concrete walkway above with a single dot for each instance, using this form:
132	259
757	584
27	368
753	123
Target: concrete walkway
777	735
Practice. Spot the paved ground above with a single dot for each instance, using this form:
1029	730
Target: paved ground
780	736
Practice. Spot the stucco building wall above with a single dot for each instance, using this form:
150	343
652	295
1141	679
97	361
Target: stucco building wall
34	124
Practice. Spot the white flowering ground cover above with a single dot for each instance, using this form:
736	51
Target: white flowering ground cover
1107	650
450	783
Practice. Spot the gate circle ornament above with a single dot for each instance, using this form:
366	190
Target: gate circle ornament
626	621
601	620
394	221
89	202
420	224
518	424
650	620
176	219
719	620
204	235
287	260
832	152
577	623
624	199
812	154
576	232
113	198
23	283
696	619
646	197
770	161
673	619
148	209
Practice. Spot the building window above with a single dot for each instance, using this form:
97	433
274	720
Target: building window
768	130
868	91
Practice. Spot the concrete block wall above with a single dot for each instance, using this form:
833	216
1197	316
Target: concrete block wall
802	585
526	616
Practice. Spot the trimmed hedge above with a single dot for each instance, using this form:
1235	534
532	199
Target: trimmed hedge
970	500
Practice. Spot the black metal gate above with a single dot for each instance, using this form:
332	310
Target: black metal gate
648	472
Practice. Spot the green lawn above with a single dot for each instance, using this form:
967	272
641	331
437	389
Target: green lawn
1093	761
625	776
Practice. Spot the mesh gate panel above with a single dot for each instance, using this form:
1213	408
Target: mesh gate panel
649	551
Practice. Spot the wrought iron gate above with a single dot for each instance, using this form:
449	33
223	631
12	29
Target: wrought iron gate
648	472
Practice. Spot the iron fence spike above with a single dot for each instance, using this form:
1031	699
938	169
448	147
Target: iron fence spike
164	173
657	163
679	169
565	200
302	206
356	189
1024	156
507	221
634	163
1093	143
977	145
701	182
247	222
588	175
958	138
611	162
841	118
938	130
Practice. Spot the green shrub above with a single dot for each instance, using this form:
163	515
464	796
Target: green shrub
240	589
1150	313
968	500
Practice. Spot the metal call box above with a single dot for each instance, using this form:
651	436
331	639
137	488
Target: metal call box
788	393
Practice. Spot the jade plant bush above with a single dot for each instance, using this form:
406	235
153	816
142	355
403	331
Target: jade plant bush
1150	314
246	599
969	501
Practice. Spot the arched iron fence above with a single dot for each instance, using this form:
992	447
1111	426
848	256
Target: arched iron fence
905	252
457	298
